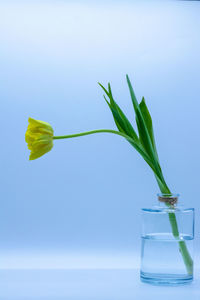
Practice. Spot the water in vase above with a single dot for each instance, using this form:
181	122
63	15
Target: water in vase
161	259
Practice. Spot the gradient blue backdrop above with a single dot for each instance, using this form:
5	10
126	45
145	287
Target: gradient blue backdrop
79	205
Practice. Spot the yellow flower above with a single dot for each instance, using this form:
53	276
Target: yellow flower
39	137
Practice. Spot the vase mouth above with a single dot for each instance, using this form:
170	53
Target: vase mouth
170	199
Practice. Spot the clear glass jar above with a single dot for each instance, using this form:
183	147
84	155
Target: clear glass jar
167	243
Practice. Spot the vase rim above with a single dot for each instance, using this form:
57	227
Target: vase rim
162	209
171	195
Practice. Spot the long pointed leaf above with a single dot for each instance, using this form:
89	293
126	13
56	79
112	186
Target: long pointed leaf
115	116
143	132
144	135
127	125
107	93
148	121
121	120
124	126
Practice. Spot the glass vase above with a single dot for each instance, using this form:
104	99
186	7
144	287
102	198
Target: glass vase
167	243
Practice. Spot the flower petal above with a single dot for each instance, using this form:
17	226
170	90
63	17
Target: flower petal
39	138
41	124
40	152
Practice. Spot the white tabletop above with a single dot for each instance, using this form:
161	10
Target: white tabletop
104	284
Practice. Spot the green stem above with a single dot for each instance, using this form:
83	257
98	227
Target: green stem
182	245
89	132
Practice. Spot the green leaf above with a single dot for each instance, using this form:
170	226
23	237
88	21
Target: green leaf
121	120
142	129
148	121
143	145
140	149
126	125
144	135
107	93
115	116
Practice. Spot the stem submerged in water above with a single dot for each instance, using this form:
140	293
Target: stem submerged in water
182	245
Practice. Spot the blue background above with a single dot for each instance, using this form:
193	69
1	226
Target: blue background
79	205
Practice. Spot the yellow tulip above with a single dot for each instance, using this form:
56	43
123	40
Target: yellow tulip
39	137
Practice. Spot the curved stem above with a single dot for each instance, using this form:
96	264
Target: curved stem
89	132
135	144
